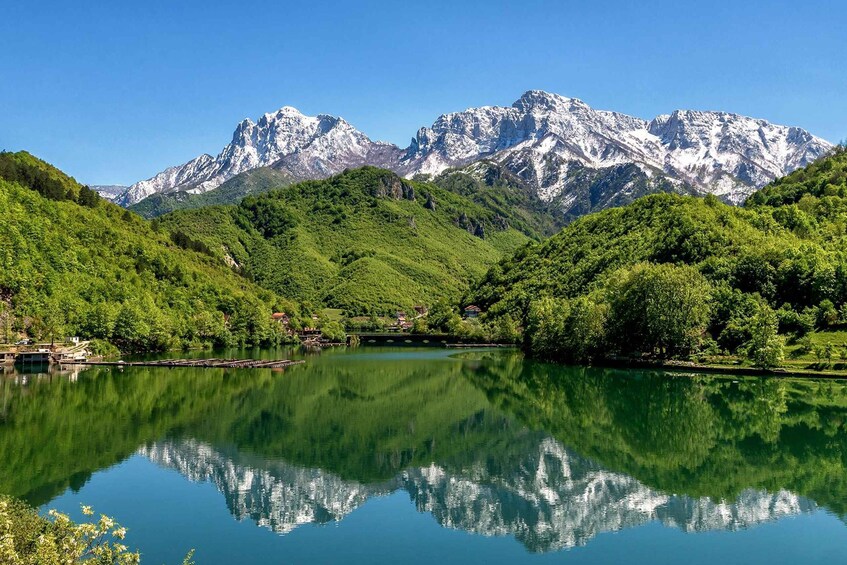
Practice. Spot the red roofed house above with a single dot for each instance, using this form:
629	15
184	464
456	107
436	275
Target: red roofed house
472	311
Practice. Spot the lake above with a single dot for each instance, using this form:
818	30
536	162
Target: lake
381	455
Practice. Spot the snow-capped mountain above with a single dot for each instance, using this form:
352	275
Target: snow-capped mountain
109	191
542	135
540	138
304	146
547	498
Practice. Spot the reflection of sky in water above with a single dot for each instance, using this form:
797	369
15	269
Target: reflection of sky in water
548	499
170	515
390	455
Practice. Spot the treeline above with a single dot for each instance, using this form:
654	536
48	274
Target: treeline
48	181
671	276
660	310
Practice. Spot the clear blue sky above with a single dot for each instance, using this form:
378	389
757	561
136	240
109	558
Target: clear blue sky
113	92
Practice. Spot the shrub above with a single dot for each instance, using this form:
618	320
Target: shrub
29	539
766	347
334	332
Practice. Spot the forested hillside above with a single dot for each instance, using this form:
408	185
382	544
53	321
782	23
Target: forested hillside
365	241
487	183
492	185
48	181
666	276
99	271
672	275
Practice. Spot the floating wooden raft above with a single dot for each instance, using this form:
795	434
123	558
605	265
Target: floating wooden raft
200	363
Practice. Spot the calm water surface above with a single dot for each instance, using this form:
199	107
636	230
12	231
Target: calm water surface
421	455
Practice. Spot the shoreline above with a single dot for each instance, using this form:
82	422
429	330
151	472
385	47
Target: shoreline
618	363
691	367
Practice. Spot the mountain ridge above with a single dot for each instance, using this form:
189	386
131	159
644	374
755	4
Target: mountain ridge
539	137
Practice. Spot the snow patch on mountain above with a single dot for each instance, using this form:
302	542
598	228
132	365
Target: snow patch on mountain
109	191
305	146
539	138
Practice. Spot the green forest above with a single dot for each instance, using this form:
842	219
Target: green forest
366	241
671	276
74	264
666	277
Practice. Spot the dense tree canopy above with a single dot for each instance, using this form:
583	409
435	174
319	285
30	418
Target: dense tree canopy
364	241
675	274
661	309
50	182
101	272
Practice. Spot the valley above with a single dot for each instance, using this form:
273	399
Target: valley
424	282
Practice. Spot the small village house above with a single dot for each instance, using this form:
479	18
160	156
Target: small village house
472	311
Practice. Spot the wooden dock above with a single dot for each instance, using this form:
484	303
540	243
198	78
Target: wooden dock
199	363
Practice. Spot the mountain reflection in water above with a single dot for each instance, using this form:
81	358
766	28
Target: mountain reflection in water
488	443
550	499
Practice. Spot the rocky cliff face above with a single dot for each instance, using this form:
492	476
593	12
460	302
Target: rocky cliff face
306	147
540	138
548	498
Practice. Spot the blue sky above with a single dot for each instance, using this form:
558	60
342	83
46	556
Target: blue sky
113	92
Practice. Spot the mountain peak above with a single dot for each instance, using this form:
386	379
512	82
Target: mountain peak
243	126
308	147
288	111
539	138
542	100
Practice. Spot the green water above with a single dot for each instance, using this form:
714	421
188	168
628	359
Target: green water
415	455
